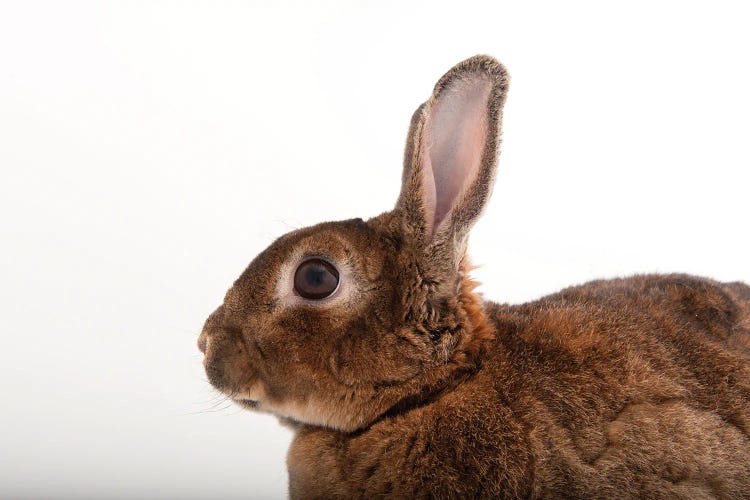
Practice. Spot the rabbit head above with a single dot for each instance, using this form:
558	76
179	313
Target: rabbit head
340	323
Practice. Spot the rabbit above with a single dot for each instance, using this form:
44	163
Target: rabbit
368	339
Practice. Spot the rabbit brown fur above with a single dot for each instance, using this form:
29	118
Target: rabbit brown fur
404	383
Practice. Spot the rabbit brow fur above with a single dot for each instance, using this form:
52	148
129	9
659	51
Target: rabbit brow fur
405	383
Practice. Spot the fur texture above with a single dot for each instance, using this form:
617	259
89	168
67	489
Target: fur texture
404	383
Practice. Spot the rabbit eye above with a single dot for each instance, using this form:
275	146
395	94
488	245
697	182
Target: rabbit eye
316	279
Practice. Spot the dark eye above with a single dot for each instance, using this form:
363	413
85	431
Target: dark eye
316	279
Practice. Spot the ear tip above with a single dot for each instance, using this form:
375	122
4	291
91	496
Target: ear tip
482	64
486	64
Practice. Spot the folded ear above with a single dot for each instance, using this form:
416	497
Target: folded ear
451	155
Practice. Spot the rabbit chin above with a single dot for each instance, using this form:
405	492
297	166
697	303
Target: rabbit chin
313	411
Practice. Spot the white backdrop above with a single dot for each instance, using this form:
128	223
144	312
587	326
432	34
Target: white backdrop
150	149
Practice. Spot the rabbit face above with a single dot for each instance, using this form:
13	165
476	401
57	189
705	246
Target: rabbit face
328	361
339	323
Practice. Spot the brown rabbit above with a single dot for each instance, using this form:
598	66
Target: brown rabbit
400	381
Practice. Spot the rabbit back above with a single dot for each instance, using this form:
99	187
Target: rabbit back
638	385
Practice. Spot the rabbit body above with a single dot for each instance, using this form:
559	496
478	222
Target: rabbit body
368	339
626	388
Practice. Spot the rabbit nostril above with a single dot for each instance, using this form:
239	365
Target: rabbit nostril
202	341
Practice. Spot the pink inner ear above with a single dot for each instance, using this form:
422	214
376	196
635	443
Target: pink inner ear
456	133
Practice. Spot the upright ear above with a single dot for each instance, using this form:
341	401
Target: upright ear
451	157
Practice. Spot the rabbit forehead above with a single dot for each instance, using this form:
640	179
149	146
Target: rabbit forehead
351	245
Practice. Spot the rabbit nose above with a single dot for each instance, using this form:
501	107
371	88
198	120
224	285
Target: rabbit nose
214	320
202	341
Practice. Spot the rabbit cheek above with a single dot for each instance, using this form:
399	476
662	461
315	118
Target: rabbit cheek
377	358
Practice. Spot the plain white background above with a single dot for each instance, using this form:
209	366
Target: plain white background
149	150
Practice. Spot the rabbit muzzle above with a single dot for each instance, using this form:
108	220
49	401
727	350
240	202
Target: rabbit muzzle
227	363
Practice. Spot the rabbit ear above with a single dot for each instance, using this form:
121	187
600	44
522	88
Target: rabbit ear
451	154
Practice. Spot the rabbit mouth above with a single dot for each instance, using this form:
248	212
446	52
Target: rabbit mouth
248	404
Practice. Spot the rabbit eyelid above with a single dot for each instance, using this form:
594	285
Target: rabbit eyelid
285	288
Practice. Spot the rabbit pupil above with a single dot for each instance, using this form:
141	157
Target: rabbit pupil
315	276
